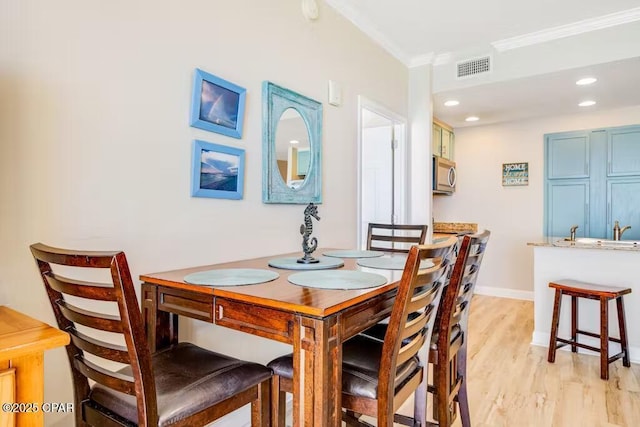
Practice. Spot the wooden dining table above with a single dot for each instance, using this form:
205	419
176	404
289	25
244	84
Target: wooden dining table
314	321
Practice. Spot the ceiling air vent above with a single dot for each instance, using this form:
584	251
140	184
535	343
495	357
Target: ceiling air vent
475	66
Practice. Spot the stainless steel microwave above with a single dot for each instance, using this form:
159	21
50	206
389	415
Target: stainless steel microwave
444	175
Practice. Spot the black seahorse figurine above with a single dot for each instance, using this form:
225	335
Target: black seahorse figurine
306	229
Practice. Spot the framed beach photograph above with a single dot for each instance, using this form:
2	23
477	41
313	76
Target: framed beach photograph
217	171
217	105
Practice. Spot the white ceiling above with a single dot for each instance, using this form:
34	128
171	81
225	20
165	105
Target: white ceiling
419	31
556	93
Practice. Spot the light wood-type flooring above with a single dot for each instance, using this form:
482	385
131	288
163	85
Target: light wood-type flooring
511	384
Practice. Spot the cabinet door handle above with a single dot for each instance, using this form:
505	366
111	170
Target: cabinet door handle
586	217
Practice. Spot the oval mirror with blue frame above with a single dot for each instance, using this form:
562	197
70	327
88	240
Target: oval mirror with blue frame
294	177
292	148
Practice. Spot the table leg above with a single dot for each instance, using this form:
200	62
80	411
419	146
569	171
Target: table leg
317	373
161	327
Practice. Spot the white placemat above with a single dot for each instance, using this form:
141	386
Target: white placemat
337	279
353	254
231	277
395	262
293	264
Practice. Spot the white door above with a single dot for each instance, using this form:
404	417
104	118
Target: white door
382	168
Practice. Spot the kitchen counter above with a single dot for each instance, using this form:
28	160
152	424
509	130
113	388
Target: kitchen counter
556	259
455	227
561	242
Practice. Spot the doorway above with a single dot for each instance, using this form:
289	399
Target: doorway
382	167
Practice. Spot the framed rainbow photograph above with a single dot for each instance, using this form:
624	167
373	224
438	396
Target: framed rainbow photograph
217	105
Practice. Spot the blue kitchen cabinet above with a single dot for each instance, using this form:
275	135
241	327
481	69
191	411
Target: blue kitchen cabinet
592	179
568	155
303	162
623	203
624	151
567	205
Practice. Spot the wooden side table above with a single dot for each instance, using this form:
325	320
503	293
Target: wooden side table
23	341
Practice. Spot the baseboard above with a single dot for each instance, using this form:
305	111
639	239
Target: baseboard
541	339
504	293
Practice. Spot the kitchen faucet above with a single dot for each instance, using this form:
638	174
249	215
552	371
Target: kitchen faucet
573	232
617	231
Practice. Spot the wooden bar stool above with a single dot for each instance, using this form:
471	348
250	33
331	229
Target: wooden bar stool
604	294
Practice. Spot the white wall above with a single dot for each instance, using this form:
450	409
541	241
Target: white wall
95	146
420	147
513	214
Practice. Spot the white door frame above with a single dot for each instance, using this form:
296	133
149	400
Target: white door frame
401	176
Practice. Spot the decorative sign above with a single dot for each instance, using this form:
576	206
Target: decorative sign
514	174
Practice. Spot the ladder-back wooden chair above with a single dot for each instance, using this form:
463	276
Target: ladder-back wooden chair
378	376
183	385
448	352
395	237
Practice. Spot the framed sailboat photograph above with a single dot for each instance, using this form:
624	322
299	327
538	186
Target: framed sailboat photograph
217	105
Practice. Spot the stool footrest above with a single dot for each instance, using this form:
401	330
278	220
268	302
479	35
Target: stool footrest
616	357
594	335
577	344
564	342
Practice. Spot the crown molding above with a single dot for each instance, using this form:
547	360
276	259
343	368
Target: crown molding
366	27
579	27
420	60
430	59
537	37
443	58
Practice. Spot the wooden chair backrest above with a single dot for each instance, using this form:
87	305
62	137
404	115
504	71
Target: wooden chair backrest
456	301
128	324
411	321
394	237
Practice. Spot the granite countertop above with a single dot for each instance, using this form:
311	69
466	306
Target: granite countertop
455	227
562	242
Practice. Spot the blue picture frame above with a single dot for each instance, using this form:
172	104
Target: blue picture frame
217	105
217	171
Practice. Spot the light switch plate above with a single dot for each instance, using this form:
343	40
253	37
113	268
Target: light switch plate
335	93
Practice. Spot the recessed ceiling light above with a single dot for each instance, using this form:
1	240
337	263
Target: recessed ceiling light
294	141
451	103
587	103
586	81
472	119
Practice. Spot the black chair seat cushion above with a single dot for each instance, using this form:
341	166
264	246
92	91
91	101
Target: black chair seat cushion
378	331
188	380
360	365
